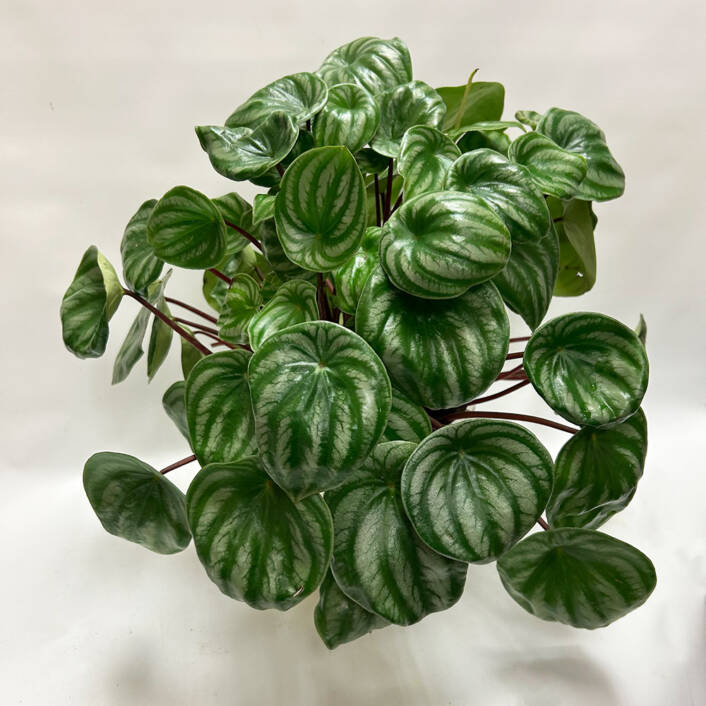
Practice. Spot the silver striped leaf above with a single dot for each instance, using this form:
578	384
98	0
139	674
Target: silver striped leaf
141	266
174	404
321	398
403	107
275	255
221	426
293	303
589	368
505	186
576	576
440	353
475	488
186	229
263	208
407	421
554	170
320	209
439	244
256	544
373	63
596	473
136	502
426	155
378	559
604	178
299	96
350	278
349	118
242	301
236	211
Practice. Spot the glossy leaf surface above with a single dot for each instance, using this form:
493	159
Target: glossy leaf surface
131	349
263	208
141	266
241	303
236	211
474	102
407	421
174	403
577	249
350	278
160	334
275	255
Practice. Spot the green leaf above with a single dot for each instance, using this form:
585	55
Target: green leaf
554	170
477	140
136	502
438	245
472	103
378	559
528	117
89	303
293	303
474	488
403	107
263	208
440	353
131	349
485	126
214	289
186	229
141	266
242	301
320	209
221	426
275	255
241	153
174	404
349	118
596	473
507	188
397	183
589	368
373	63
350	278
370	162
527	282
236	211
189	355
161	333
641	330
425	158
407	421
604	178
257	545
577	249
578	577
321	399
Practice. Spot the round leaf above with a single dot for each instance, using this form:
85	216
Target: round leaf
321	399
257	545
474	488
576	576
438	245
235	211
407	421
241	303
351	276
136	502
174	404
141	266
439	353
320	209
589	368
378	559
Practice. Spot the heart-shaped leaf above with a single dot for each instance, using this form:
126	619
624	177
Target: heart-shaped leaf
320	209
236	211
242	302
299	96
577	249
174	403
141	266
338	619
596	473
349	118
161	333
373	63
407	421
88	305
321	399
589	368
471	103
474	488
441	353
604	178
506	187
241	153
136	502
378	559
263	208
293	303
426	155
554	170
186	229
438	245
218	409
578	577
403	107
351	276
256	544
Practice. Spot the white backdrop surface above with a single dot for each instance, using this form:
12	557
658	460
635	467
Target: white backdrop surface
97	113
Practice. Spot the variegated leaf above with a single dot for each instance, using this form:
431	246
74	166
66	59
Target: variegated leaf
263	208
131	349
282	266
236	211
407	421
242	301
141	266
174	403
351	276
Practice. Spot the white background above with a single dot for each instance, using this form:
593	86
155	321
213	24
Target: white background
99	100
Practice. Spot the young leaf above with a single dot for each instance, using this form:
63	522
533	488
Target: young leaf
161	333
641	330
351	276
174	403
407	421
263	208
472	103
256	544
438	245
141	266
136	502
321	399
242	301
528	117
577	577
378	560
440	353
474	488
577	249
131	349
589	368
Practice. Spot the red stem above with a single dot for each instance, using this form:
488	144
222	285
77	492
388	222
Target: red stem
517	371
513	416
245	234
502	393
514	356
378	220
280	169
519	338
388	195
192	309
398	203
178	464
220	275
542	524
196	325
324	313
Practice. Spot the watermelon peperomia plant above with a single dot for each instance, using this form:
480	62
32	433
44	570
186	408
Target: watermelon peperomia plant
360	305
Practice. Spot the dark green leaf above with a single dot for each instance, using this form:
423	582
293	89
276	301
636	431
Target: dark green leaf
131	349
190	355
275	254
577	249
370	162
242	301
214	289
141	266
174	404
263	208
407	421
641	330
477	140
161	333
472	103
236	211
351	276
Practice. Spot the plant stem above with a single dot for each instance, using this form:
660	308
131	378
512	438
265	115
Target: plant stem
435	423
502	393
280	169
178	464
513	416
398	203
388	195
196	325
519	338
512	372
221	342
258	273
378	221
192	309
542	524
170	322
245	234
308	125
324	313
514	356
329	286
220	275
